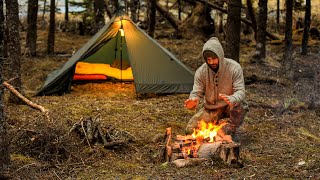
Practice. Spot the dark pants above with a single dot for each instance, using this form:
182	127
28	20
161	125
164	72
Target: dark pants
236	115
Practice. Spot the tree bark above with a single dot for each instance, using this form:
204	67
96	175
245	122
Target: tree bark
31	39
43	13
252	17
13	47
66	15
278	14
261	31
99	13
288	35
52	26
306	29
232	48
152	17
4	140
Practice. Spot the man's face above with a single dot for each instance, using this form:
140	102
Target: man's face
213	62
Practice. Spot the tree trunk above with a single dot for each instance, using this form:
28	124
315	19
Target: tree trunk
108	10
134	6
233	30
99	14
199	23
115	5
152	17
278	15
31	39
171	19
288	36
66	15
306	28
179	9
44	13
260	54
252	17
4	140
51	34
13	47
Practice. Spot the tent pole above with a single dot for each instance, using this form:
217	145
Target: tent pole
121	27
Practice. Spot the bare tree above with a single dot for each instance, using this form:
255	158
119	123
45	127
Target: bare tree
233	30
52	26
260	54
31	39
13	47
4	142
152	17
307	19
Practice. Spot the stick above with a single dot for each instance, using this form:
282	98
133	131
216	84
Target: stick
114	143
85	134
19	95
105	142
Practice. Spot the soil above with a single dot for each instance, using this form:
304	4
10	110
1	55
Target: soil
280	136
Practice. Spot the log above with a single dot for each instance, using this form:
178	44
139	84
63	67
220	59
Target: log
208	150
114	143
230	153
189	162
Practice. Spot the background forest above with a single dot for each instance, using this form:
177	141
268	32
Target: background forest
275	41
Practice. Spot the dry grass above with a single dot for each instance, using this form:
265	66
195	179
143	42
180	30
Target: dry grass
277	143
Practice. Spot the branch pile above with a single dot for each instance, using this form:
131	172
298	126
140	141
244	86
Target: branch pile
90	130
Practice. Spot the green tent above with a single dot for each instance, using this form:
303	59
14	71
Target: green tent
154	69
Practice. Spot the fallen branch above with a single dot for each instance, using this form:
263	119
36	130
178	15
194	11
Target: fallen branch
27	101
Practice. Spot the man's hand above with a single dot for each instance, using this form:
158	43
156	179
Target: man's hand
225	98
191	103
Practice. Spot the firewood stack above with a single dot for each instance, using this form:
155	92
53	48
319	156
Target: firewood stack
91	131
186	151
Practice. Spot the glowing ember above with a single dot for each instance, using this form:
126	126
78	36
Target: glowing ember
204	133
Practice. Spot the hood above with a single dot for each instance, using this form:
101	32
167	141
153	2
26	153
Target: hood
214	45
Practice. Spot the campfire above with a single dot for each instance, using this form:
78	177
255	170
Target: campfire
207	141
205	133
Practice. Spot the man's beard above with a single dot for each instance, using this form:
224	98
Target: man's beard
214	68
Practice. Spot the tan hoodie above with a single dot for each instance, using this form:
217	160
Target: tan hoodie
228	79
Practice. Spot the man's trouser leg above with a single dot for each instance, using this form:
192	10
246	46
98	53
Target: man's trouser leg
237	114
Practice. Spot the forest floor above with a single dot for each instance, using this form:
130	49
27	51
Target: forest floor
280	136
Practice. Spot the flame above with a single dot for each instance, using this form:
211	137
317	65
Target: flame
204	132
207	130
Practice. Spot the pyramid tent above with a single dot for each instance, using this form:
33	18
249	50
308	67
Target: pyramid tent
154	68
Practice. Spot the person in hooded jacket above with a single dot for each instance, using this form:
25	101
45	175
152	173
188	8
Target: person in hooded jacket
219	83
